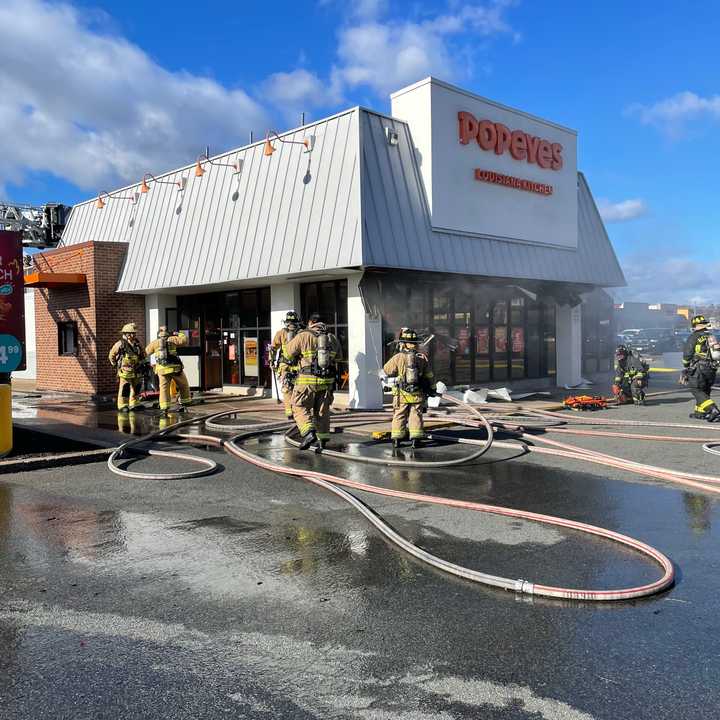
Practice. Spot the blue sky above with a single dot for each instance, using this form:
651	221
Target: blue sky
93	93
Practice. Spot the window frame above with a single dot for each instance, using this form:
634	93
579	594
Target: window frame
62	326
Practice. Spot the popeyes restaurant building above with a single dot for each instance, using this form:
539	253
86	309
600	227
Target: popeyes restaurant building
455	215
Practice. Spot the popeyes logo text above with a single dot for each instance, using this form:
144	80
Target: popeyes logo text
500	139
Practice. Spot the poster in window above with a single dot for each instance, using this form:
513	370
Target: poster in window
482	340
500	339
518	341
463	338
250	356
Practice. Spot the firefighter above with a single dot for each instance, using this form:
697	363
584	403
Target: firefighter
169	367
701	357
286	372
128	356
415	382
316	351
631	377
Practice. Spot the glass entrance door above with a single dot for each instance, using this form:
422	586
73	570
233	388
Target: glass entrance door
230	358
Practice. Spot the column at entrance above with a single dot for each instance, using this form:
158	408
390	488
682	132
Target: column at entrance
364	351
155	307
568	333
283	297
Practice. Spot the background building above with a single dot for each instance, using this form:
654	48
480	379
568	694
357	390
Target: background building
456	215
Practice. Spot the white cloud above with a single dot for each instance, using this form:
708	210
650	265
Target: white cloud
653	278
671	114
387	55
621	211
300	90
97	110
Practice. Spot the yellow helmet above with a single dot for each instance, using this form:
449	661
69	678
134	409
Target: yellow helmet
128	328
163	332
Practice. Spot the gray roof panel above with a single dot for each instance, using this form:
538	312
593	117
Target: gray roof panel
355	200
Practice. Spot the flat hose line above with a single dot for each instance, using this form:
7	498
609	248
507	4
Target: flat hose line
335	485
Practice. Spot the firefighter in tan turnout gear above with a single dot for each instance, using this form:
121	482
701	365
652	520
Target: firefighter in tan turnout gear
413	383
169	367
128	356
316	351
286	372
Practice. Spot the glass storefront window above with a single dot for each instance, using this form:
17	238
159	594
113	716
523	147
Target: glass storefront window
329	299
517	337
549	338
532	341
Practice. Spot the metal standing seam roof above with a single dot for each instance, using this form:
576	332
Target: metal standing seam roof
354	201
291	212
397	231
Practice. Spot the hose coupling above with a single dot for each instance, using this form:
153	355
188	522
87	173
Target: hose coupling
525	587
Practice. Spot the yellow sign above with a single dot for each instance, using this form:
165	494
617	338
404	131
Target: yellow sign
250	356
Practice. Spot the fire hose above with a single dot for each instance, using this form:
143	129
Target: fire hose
337	485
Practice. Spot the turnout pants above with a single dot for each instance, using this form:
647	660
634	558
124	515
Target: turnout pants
181	384
700	385
128	391
633	389
311	409
286	378
407	416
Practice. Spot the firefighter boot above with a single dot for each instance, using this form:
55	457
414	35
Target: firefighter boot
416	443
396	443
308	439
713	414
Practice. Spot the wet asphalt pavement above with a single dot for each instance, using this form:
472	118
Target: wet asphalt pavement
249	595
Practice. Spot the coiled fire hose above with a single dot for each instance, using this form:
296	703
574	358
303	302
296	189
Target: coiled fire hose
336	485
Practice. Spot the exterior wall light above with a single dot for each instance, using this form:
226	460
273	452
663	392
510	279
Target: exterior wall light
202	159
144	187
100	204
392	135
308	143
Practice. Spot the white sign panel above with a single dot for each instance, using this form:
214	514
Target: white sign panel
491	170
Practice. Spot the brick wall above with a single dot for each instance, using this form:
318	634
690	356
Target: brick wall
97	309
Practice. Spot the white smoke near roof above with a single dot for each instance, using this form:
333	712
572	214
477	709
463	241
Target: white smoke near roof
101	111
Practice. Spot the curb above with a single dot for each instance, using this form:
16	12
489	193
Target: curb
51	461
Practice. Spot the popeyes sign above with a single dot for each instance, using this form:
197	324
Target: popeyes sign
489	170
499	138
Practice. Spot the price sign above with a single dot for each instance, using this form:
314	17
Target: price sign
11	353
12	303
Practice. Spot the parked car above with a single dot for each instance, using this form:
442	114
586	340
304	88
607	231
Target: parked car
680	337
653	341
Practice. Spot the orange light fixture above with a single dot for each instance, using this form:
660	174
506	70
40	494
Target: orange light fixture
199	172
144	187
99	204
308	143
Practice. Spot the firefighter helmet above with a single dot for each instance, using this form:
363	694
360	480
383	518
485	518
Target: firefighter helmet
129	328
292	317
163	332
314	319
408	336
699	322
622	351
